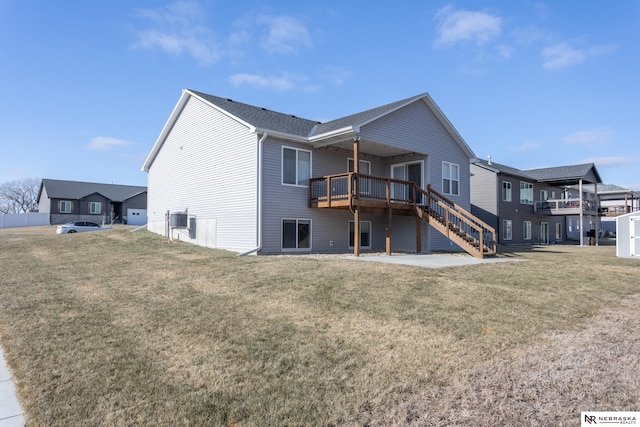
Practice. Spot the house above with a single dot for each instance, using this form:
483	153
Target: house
614	201
225	174
541	206
628	235
67	201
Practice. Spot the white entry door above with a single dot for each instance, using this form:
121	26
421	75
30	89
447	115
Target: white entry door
634	232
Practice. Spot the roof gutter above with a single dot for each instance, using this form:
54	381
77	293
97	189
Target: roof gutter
259	209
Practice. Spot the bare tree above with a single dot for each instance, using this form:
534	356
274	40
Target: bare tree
19	196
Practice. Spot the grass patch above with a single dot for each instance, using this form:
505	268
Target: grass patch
119	328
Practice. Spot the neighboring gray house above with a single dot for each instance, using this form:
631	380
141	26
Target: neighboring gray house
541	206
67	201
614	201
228	175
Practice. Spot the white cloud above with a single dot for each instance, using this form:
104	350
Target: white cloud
456	26
179	28
286	35
562	55
589	137
103	143
283	83
337	75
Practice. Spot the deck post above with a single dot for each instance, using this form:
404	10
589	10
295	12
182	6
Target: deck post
581	214
356	208
418	234
595	185
389	219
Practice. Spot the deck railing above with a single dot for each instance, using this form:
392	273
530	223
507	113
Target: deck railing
565	206
451	219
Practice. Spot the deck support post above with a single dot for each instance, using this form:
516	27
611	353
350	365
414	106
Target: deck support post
418	234
356	188
595	185
388	233
581	214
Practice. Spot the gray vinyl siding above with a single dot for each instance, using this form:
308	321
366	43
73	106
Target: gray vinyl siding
416	128
286	201
207	166
420	131
486	189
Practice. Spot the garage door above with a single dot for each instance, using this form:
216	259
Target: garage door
136	216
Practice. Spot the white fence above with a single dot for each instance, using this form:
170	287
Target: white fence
30	219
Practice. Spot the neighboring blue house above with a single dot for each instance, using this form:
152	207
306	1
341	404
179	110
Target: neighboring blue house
229	175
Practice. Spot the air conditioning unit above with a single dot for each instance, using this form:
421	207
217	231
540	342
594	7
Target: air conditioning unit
178	220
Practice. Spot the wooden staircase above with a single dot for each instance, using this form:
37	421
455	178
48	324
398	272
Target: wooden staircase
382	194
461	227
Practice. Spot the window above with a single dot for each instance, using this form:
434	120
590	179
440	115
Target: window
95	207
365	234
296	234
65	206
506	191
507	230
296	166
365	168
526	193
558	231
526	230
544	195
450	178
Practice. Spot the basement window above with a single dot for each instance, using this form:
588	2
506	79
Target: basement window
296	234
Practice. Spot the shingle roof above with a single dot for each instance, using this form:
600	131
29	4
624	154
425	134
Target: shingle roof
499	168
605	188
561	172
76	190
262	118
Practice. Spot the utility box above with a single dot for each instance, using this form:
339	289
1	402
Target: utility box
628	235
178	220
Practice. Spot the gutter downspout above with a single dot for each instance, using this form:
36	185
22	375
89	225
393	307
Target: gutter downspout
259	209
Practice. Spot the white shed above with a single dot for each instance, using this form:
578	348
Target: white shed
628	235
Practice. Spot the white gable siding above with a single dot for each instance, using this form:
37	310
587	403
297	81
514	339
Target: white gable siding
207	166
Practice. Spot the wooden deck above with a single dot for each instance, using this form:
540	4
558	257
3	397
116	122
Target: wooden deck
386	196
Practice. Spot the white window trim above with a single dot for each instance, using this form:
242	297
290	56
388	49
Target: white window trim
350	161
526	230
510	192
349	233
283	249
65	202
365	187
528	202
296	149
504	222
91	211
451	180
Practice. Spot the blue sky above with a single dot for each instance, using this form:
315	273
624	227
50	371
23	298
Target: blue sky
88	85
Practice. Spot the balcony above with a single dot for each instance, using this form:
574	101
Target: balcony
613	211
565	207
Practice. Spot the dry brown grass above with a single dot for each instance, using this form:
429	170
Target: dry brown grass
119	328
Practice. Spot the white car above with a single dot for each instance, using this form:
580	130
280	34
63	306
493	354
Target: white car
79	227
